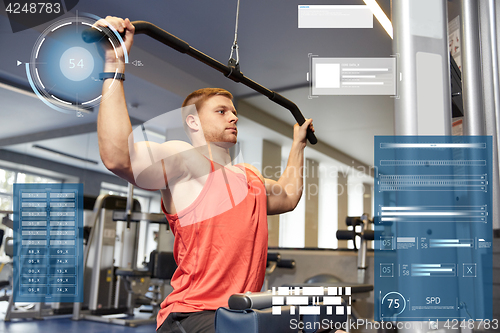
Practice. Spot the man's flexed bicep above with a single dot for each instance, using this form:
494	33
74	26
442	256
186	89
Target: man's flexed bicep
284	195
282	198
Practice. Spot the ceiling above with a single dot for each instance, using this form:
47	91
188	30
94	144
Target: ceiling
272	50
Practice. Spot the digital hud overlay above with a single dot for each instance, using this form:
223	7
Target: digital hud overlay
48	243
433	228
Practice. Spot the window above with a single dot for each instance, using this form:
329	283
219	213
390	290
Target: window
9	177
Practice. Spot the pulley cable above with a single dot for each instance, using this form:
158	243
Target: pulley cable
235	62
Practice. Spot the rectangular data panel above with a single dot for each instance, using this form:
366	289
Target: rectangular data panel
48	243
335	16
353	76
433	228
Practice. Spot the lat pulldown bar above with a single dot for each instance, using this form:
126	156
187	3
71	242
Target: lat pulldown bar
232	72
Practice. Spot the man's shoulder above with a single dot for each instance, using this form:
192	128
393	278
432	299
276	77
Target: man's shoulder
178	145
180	159
254	170
181	150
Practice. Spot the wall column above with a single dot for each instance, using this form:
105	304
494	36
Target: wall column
327	207
472	91
423	104
367	199
271	169
342	199
491	90
311	191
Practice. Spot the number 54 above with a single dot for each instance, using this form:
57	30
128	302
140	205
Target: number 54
73	65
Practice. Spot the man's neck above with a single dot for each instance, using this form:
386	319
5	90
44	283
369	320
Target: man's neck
216	153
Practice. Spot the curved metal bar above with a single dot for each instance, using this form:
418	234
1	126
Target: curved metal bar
147	28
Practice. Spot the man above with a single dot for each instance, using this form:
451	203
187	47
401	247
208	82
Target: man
216	210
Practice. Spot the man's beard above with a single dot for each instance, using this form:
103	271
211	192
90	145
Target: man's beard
221	139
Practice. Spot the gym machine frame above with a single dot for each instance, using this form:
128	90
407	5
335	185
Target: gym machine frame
365	235
131	273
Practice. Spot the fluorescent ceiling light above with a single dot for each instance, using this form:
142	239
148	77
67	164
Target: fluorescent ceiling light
380	15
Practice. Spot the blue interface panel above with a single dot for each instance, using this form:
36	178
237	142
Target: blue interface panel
433	228
48	242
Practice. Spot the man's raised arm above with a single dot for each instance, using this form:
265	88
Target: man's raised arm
284	195
113	122
145	164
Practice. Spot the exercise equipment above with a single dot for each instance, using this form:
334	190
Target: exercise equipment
234	48
364	235
17	311
232	71
253	320
22	310
357	290
274	261
118	290
253	313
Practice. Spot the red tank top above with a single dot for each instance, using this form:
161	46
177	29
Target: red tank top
220	243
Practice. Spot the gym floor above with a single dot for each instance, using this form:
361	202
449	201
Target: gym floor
59	324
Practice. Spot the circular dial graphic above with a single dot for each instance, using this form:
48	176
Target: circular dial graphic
64	70
393	304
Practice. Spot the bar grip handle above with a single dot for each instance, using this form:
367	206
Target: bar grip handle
368	235
273	256
346	234
286	263
353	221
294	109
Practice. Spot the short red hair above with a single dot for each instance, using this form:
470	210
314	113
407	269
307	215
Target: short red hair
199	96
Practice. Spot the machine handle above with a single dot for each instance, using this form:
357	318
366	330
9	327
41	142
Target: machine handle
273	256
368	235
353	221
346	234
258	300
147	28
286	263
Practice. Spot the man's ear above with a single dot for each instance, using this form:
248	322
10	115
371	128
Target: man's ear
193	122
